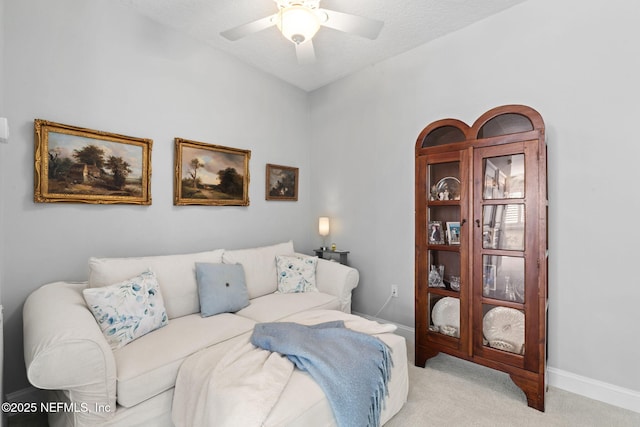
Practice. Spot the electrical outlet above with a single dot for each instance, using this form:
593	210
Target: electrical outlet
394	291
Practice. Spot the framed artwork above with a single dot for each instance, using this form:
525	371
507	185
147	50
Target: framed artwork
281	183
436	234
212	175
78	165
453	232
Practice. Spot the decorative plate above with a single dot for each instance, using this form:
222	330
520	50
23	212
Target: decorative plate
446	312
449	185
505	327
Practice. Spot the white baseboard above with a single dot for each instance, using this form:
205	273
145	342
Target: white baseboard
583	386
594	389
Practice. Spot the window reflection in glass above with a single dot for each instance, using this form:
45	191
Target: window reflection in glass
503	278
503	227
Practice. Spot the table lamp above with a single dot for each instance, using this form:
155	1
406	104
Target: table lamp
323	230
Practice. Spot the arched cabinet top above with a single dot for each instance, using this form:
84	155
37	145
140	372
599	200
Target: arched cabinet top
504	120
441	132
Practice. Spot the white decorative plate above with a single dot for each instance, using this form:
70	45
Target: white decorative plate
446	312
450	184
504	326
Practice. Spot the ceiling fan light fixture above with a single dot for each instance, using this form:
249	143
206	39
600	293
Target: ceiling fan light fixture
298	23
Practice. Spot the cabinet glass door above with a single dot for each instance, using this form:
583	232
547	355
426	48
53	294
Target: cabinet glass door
501	259
445	280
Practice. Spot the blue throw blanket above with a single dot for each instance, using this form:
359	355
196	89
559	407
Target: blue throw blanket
352	368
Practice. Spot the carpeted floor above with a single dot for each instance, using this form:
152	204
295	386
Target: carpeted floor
452	392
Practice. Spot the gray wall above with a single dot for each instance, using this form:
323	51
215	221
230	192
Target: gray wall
572	62
97	65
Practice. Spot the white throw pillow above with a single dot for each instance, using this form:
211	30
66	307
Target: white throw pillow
296	273
127	310
176	275
259	266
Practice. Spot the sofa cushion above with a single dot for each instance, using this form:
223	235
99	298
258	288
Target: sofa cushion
175	273
128	310
149	365
296	273
221	287
259	266
272	307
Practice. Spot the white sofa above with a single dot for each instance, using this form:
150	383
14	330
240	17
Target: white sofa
66	352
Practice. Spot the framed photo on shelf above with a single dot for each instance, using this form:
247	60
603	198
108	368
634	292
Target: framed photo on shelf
213	175
281	183
436	234
490	184
79	165
453	232
488	278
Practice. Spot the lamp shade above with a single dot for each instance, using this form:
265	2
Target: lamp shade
323	226
298	23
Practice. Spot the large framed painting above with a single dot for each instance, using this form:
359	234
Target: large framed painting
74	164
282	183
207	174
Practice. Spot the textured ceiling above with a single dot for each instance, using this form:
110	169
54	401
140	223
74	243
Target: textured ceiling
407	24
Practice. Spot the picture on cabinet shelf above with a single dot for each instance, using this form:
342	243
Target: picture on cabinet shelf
436	235
453	233
79	165
488	278
282	183
213	175
490	182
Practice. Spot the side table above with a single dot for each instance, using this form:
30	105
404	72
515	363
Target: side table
342	254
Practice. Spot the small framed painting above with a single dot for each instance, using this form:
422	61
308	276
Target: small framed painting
74	164
281	183
436	235
453	233
213	175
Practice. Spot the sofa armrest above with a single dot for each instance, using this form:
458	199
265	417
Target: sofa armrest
64	349
337	279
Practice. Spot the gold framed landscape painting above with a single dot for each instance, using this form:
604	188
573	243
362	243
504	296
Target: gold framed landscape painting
79	165
282	183
207	174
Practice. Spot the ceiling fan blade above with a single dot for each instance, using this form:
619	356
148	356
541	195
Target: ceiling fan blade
236	33
305	53
353	24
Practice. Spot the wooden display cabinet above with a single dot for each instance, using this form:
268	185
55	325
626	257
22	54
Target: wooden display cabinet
481	283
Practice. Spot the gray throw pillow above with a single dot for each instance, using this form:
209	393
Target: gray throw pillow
221	287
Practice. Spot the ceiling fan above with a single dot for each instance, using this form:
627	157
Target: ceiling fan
300	20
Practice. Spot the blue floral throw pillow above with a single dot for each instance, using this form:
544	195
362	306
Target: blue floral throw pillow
127	310
296	273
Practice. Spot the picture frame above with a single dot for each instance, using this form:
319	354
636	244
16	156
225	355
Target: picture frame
78	165
435	234
281	182
490	185
453	232
210	175
489	278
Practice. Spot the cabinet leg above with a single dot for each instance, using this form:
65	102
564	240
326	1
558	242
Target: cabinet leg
423	354
533	389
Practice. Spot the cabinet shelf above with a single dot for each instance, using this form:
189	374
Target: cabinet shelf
443	203
448	248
